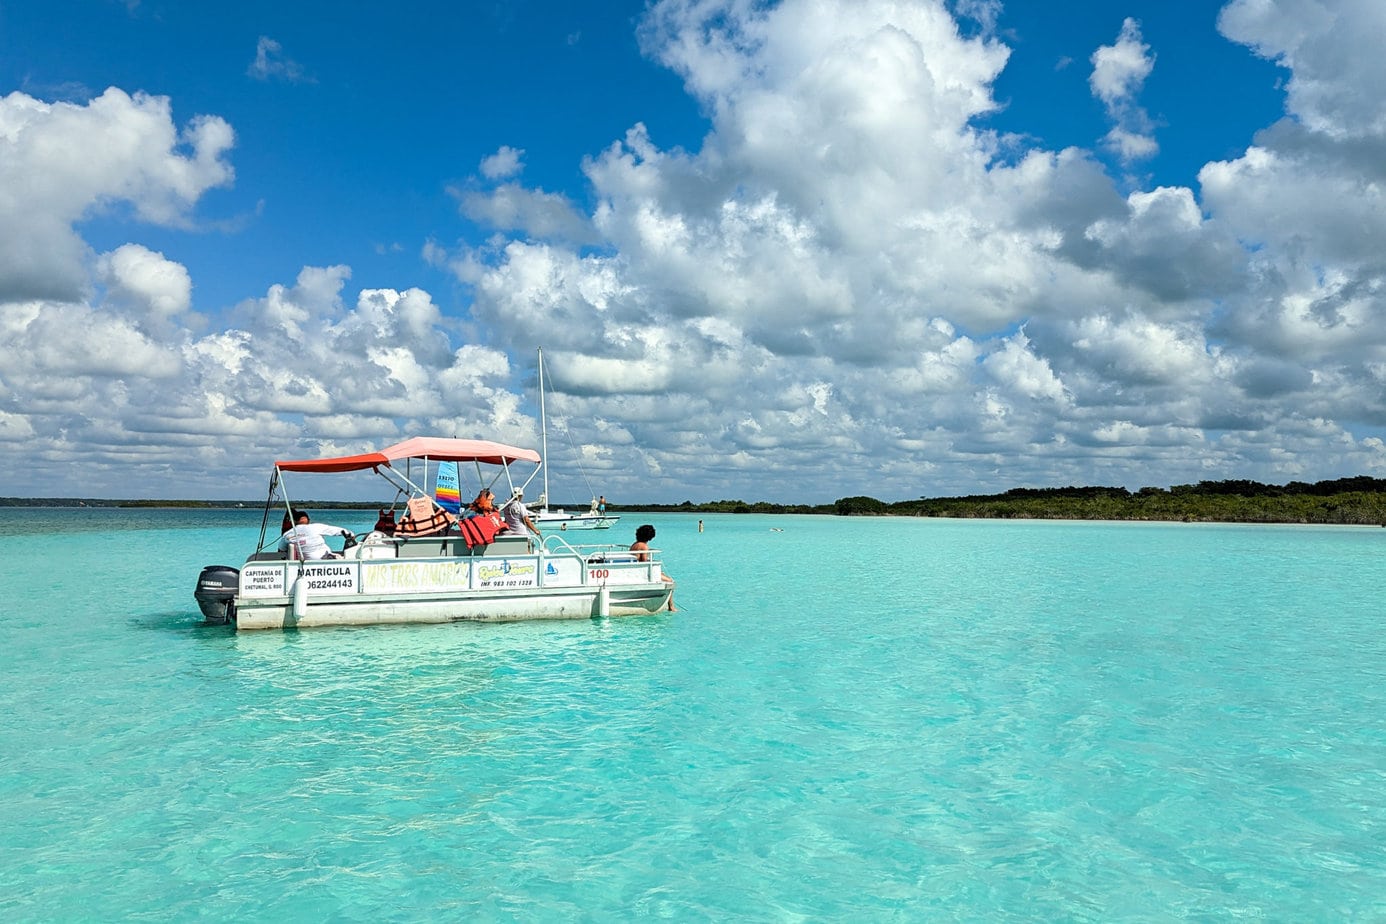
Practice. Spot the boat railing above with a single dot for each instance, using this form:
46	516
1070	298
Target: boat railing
596	564
605	551
554	544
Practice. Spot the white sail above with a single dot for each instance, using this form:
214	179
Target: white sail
545	516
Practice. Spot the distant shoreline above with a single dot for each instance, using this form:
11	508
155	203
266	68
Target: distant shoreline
108	502
1357	501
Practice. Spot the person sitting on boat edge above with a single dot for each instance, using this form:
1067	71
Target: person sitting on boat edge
306	538
641	548
516	514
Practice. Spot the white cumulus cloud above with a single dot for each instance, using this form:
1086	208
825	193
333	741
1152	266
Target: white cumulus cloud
852	272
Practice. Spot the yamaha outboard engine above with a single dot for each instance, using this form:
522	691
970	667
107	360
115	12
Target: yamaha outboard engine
216	593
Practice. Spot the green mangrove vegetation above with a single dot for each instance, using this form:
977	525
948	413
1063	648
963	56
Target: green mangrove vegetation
1349	501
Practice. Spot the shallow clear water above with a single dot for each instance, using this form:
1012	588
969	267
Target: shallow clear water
860	719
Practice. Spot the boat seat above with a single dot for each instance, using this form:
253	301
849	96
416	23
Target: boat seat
606	558
429	546
504	545
375	545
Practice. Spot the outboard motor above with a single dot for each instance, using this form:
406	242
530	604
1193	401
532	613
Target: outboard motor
216	593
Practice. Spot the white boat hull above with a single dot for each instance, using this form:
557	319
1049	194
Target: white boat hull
360	611
566	521
436	581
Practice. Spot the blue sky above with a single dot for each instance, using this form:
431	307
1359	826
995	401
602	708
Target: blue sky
1207	96
364	117
786	251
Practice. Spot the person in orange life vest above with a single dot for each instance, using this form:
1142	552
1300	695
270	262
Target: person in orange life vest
485	503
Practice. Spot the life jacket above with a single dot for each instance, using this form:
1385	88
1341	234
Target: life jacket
424	519
385	523
480	529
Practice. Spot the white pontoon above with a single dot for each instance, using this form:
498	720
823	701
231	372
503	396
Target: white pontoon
456	572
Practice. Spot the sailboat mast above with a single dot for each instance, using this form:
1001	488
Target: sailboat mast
543	430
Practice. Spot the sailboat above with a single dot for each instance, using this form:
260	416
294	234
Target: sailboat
447	490
545	517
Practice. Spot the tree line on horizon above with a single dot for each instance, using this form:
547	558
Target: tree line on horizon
1355	500
1359	500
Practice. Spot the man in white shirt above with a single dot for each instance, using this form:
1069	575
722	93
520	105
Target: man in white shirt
307	539
516	514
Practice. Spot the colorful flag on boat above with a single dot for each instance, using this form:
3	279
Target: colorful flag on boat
446	490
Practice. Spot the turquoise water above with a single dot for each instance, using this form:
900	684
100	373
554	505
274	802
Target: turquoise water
868	720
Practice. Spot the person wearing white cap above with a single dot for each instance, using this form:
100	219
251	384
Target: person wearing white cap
516	514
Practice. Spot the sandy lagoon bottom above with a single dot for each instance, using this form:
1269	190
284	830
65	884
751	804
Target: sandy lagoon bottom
855	719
